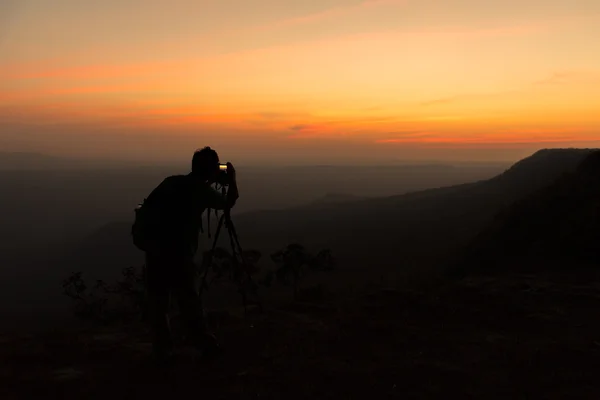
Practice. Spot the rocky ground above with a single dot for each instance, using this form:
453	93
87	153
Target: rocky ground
505	337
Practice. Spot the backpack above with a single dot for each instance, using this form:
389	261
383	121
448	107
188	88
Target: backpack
140	229
145	225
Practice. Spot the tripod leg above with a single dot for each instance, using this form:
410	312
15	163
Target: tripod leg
221	220
207	262
234	250
234	240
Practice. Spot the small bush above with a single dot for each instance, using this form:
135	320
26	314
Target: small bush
294	263
126	299
102	302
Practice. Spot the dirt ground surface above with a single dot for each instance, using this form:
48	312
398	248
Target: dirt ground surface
510	337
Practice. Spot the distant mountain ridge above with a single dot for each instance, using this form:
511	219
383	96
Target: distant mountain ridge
27	161
334	198
559	223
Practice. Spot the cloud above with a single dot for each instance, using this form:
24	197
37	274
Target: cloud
39	71
280	115
408	136
320	130
571	77
47	70
504	137
84	92
556	78
305	131
302	127
271	115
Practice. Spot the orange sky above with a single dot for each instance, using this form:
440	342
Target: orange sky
338	80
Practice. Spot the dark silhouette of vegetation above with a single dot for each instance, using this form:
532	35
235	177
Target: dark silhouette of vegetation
294	262
88	304
107	303
221	265
126	299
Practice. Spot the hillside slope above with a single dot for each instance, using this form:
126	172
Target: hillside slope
416	228
559	223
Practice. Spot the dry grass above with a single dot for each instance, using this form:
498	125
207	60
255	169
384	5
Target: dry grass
494	338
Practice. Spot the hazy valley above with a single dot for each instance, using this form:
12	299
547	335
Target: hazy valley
62	215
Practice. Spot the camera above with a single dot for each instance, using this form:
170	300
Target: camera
222	176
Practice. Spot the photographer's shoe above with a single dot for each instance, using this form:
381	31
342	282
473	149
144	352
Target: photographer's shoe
210	348
164	358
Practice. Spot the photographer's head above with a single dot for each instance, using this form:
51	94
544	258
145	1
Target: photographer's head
205	164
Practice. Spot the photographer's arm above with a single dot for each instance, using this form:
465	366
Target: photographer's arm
232	193
216	200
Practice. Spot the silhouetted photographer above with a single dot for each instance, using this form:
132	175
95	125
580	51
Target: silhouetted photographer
167	229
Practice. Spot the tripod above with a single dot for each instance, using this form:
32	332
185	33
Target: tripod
238	258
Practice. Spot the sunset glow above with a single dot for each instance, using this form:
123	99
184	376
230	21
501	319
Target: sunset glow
387	78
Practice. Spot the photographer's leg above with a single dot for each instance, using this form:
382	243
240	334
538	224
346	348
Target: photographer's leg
158	286
190	305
